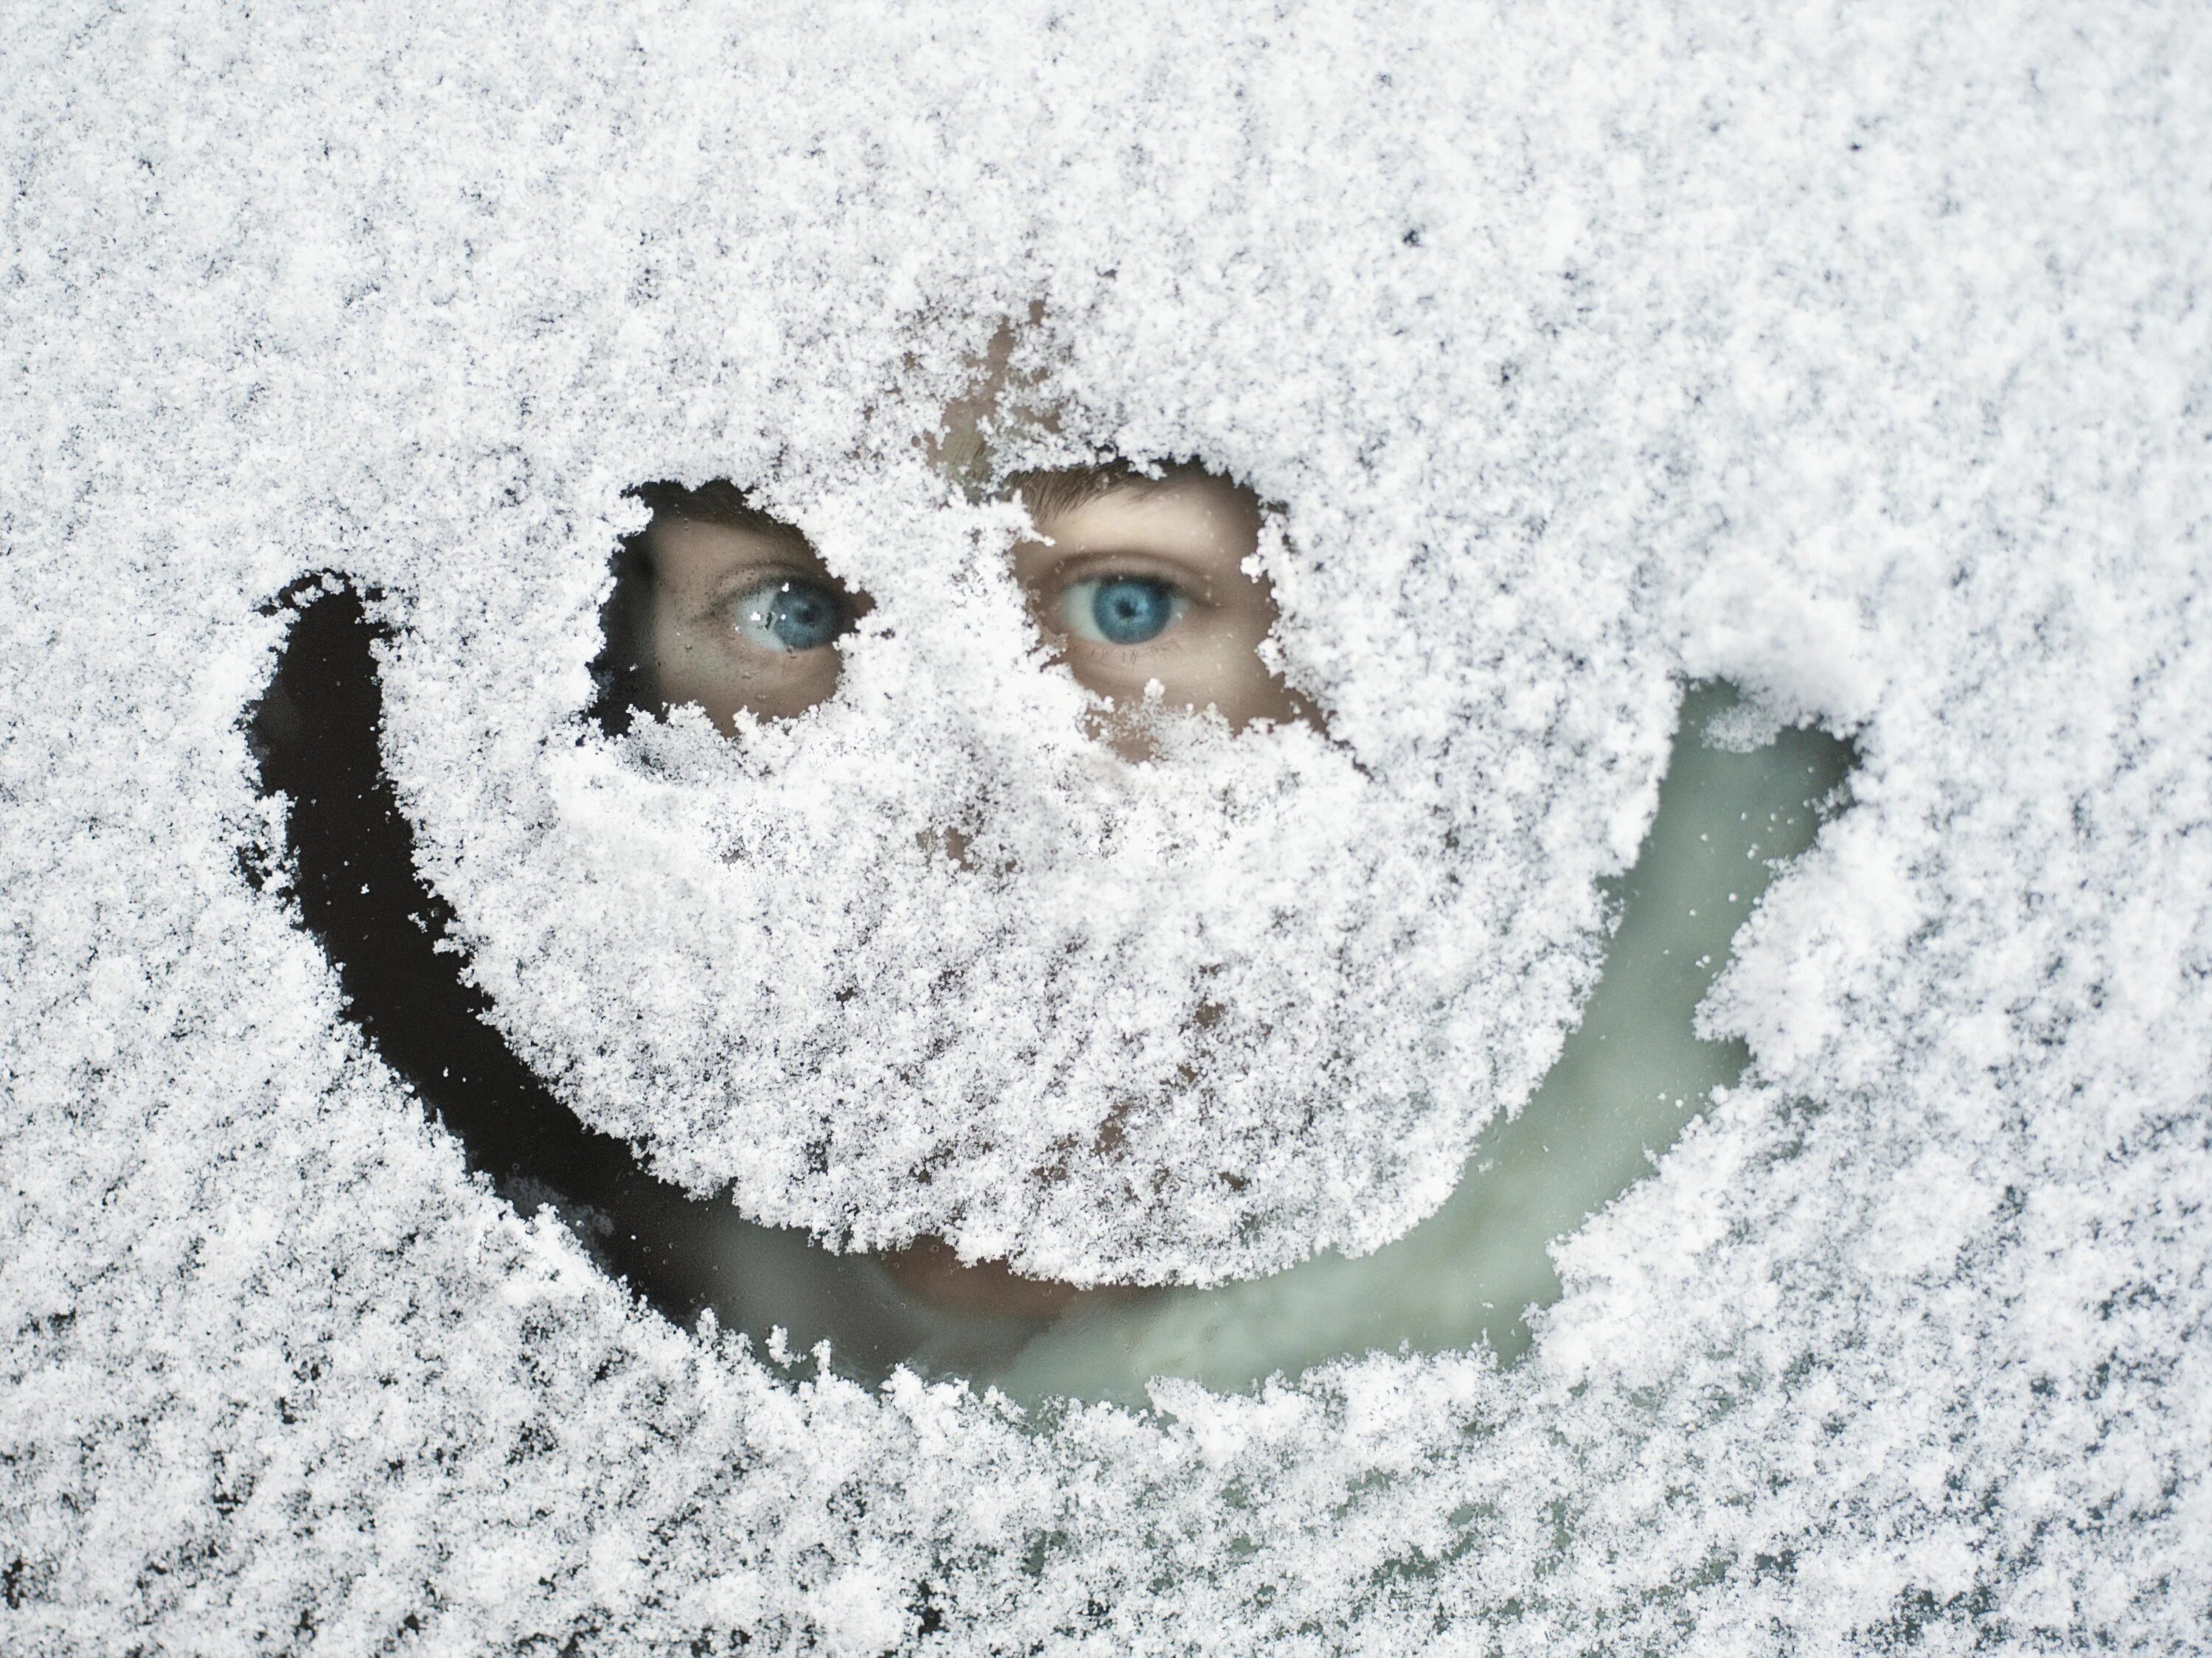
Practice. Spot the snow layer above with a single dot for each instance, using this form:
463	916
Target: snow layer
1861	358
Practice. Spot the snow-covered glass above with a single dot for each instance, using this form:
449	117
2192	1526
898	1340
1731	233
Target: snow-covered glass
1243	829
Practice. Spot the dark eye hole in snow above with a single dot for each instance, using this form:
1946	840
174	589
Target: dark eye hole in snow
718	604
1630	1076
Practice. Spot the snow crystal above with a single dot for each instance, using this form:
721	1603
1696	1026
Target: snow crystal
1858	359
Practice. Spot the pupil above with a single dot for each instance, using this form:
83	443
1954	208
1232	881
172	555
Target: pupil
1129	611
802	617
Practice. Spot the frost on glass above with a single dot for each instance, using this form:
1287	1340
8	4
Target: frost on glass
1858	360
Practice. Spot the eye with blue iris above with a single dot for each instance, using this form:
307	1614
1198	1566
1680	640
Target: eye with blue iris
1121	609
790	614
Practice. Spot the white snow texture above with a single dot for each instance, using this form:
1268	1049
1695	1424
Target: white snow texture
1862	356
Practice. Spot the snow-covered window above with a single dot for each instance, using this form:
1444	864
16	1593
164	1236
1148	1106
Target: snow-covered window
1284	829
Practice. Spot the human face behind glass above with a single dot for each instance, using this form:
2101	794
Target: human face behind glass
1132	581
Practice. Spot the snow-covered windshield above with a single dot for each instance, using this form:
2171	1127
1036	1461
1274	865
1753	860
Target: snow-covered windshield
1143	793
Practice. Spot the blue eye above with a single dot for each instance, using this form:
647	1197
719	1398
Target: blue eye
1121	609
790	613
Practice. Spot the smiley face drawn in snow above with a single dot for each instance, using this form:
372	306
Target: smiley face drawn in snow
1441	1286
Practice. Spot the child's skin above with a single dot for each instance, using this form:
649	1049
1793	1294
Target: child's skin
1132	581
712	634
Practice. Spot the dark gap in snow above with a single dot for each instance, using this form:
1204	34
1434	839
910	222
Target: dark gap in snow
352	853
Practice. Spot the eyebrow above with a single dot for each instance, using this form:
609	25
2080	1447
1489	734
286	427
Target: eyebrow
1046	494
